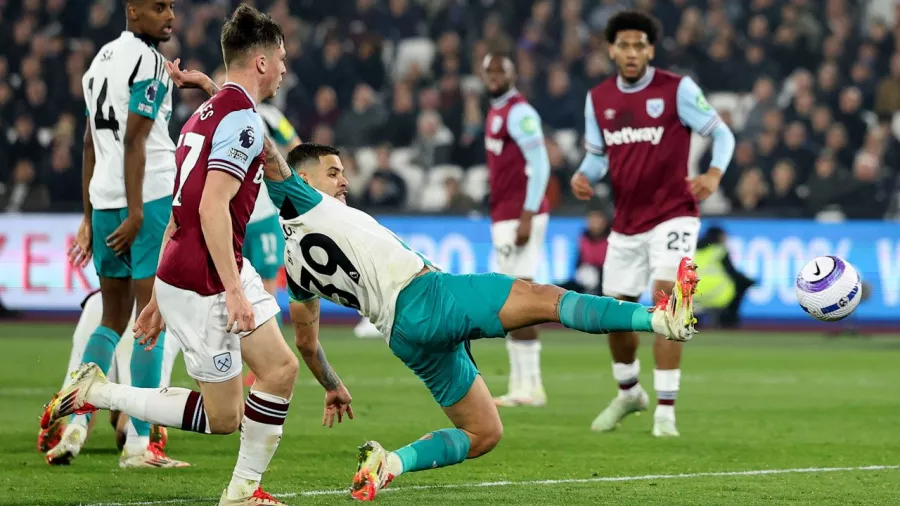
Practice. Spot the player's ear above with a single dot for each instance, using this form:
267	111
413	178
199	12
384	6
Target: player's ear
303	176
652	52
261	63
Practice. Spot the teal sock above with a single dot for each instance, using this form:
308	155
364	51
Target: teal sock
601	315
146	370
100	349
440	448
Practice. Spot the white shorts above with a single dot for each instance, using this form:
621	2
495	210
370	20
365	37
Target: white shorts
211	354
519	262
632	261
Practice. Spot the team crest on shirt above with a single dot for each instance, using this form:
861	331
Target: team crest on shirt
496	124
247	137
655	107
222	361
152	90
609	113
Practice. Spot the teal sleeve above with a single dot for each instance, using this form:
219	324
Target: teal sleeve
293	196
147	97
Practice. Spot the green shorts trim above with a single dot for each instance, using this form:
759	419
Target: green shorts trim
437	315
264	246
141	262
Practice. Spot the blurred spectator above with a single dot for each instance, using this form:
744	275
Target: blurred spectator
369	64
826	186
457	201
751	190
386	189
887	100
763	100
470	148
326	111
401	129
361	125
433	144
24	193
796	148
592	246
783	198
559	105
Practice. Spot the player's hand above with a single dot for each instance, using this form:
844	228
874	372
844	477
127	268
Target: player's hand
121	239
581	187
705	185
523	233
148	325
188	78
83	247
240	312
337	404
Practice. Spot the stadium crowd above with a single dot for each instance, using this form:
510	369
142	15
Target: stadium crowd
811	89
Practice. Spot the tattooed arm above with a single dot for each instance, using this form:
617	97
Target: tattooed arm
277	169
305	316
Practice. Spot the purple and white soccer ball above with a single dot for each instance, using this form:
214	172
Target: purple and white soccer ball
828	288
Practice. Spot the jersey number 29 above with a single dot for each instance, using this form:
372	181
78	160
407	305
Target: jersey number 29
334	259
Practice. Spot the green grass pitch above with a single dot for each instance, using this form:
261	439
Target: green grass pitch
804	411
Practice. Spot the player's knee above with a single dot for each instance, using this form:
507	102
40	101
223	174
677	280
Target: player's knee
225	423
486	439
281	375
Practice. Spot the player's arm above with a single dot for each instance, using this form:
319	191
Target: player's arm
305	317
233	149
525	130
277	168
696	113
88	159
304	308
82	249
595	164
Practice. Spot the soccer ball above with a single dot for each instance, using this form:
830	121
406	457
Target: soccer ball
829	288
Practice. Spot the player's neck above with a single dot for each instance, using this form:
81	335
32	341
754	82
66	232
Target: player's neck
637	85
247	83
150	41
501	99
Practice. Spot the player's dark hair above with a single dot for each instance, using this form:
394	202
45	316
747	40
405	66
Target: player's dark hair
247	29
632	20
310	151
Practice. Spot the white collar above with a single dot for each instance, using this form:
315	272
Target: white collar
639	85
504	98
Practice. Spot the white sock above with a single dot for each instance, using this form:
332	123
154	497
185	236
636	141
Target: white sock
515	366
626	376
261	431
133	442
170	353
525	365
394	464
667	384
162	406
87	324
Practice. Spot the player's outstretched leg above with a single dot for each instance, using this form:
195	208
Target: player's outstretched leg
478	431
673	317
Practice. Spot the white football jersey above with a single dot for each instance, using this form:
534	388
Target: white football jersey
128	75
335	251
